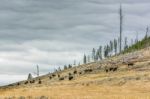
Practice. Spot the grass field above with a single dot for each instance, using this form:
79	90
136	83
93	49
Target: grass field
125	83
82	89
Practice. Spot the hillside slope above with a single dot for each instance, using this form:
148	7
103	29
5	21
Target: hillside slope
124	76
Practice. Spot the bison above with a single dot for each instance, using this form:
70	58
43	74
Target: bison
70	77
130	64
26	82
61	78
88	70
75	72
40	82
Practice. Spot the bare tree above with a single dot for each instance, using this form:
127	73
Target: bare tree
147	29
37	70
74	62
121	19
88	58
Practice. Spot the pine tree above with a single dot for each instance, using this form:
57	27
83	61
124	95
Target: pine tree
111	47
97	55
93	54
65	67
84	59
88	58
125	43
100	52
115	46
30	76
69	66
106	51
59	69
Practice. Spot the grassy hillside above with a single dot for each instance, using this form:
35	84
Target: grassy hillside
91	81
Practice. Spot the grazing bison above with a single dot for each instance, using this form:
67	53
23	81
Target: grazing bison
80	73
18	84
88	70
130	64
69	74
112	68
53	75
50	77
26	82
58	75
106	70
70	77
75	72
32	81
40	82
61	78
115	68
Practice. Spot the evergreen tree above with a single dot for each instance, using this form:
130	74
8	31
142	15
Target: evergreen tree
93	54
59	69
106	51
97	55
65	67
115	46
88	58
69	66
84	59
100	52
125	43
30	76
111	47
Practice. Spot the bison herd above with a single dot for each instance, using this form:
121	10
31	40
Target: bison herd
112	68
71	76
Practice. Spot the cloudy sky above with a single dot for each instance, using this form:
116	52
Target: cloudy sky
52	33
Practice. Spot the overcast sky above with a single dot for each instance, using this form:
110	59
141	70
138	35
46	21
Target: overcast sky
52	33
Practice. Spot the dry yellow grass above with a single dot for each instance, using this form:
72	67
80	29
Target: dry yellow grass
129	91
126	83
134	89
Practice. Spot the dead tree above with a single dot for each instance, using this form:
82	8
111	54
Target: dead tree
121	18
